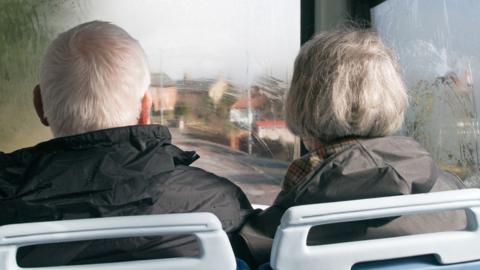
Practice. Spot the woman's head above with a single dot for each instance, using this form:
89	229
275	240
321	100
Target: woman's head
345	84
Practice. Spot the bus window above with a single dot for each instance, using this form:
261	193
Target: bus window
220	69
437	44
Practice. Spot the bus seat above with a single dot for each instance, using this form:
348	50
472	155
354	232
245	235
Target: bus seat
415	263
216	252
447	250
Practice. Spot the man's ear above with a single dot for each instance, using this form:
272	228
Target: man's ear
144	117
38	104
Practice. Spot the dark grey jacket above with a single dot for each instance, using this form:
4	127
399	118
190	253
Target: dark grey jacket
369	168
116	172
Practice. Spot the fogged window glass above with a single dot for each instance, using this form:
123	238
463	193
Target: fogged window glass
220	69
438	44
24	34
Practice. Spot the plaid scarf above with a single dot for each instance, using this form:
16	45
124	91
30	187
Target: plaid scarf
300	168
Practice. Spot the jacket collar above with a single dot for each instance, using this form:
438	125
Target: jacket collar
300	168
136	135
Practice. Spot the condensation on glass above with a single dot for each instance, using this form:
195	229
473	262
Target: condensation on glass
220	69
24	34
438	45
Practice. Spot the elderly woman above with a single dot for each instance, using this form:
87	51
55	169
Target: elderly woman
346	100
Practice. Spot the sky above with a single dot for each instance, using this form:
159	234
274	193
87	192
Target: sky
234	39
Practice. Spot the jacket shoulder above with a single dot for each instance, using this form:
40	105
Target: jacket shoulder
200	178
448	181
191	172
202	191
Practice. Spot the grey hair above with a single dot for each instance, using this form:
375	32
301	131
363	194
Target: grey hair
345	84
92	77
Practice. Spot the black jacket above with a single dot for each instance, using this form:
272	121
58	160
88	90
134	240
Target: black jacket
116	172
368	168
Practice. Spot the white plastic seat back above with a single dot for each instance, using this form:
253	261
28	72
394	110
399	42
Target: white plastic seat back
215	249
290	250
260	206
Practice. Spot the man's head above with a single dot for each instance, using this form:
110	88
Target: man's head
94	76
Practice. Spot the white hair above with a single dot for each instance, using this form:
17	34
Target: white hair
93	77
345	84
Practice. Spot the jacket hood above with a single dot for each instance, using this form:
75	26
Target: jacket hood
136	151
137	136
116	172
377	167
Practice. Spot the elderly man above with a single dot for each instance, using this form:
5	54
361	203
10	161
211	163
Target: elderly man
105	160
